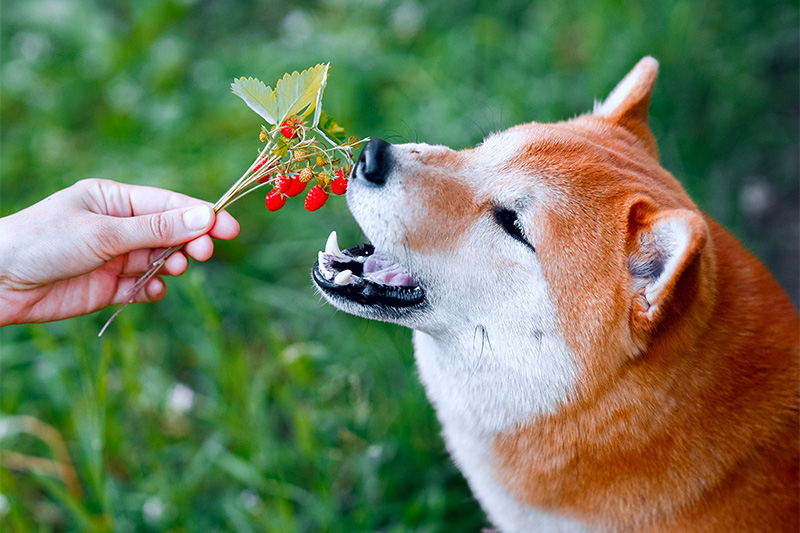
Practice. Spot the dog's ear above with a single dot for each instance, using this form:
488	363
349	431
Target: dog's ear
629	102
663	246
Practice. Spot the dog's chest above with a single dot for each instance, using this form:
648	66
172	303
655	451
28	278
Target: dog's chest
473	404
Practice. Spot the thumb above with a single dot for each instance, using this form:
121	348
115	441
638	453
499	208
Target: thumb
161	230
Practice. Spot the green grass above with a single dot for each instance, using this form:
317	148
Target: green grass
302	418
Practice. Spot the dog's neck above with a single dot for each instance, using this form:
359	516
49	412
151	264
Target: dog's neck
488	381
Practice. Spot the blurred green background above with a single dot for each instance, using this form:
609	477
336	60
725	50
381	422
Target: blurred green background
241	402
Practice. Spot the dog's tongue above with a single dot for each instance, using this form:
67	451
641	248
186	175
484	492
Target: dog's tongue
380	269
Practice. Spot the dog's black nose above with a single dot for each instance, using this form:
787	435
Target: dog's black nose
374	162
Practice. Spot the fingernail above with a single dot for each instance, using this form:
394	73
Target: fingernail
197	217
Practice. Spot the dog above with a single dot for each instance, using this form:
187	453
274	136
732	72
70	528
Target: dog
601	355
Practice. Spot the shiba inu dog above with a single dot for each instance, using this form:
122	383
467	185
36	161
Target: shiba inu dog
601	355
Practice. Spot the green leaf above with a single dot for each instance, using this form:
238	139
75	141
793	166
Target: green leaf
281	147
257	96
327	124
297	91
294	94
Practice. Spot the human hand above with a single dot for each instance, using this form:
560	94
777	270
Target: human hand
82	248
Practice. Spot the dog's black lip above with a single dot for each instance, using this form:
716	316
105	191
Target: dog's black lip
368	293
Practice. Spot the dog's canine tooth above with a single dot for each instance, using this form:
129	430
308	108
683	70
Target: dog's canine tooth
343	277
332	246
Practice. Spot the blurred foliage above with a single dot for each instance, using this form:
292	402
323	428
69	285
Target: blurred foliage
241	402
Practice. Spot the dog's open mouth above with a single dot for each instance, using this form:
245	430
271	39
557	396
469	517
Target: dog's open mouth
365	276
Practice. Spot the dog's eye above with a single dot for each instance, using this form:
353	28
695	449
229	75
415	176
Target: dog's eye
510	223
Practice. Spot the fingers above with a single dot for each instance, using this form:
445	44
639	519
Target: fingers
201	248
107	197
226	227
157	230
154	290
145	220
123	200
139	262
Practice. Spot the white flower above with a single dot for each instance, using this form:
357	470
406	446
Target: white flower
153	510
250	499
180	398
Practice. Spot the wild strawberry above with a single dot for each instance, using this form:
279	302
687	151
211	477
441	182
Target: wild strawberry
275	200
295	187
339	173
316	198
263	136
306	174
259	164
287	128
339	185
282	183
300	155
265	178
320	161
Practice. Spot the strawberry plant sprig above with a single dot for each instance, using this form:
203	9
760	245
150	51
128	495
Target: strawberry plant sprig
299	148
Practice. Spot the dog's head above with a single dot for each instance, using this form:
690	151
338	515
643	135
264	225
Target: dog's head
570	229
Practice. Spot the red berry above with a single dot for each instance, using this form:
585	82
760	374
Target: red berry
339	185
287	128
282	183
316	198
295	187
265	178
339	173
259	165
275	200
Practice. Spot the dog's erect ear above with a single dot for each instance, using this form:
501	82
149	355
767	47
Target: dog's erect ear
628	103
662	246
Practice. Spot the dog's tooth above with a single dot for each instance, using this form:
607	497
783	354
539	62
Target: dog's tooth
322	260
332	246
343	277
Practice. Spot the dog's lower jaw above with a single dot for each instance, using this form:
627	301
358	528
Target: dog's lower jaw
466	406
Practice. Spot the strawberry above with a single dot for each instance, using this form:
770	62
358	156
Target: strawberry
259	164
316	198
306	174
275	200
282	183
265	178
287	128
295	187
339	185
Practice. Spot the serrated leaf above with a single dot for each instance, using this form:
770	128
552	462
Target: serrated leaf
294	94
257	96
298	91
